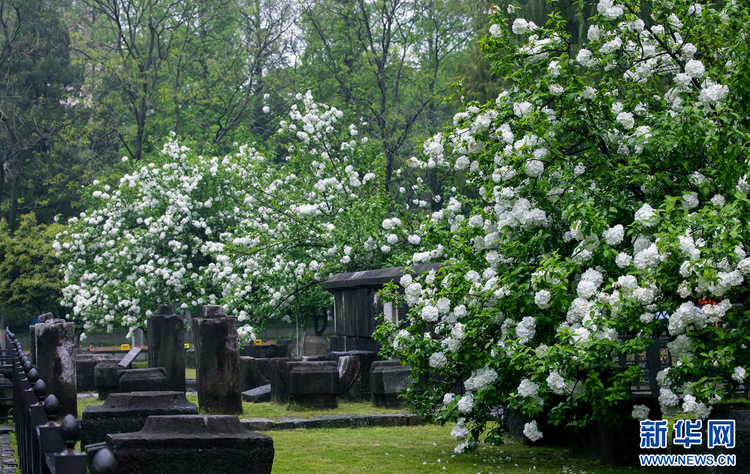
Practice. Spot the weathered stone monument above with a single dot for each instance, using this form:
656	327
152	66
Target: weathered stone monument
166	345
192	444
85	364
356	304
217	361
254	372
55	362
354	373
153	379
388	378
127	412
278	375
107	378
314	384
42	318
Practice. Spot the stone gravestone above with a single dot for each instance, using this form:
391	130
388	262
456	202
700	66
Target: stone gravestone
252	373
85	364
356	304
314	384
312	346
56	364
192	444
166	345
153	379
127	412
107	378
388	379
217	361
739	414
354	373
617	445
278	376
42	318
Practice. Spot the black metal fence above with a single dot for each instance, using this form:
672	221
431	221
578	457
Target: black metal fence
44	446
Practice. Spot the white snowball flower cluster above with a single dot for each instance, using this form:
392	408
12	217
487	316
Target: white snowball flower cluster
528	389
640	412
526	329
480	380
466	403
646	215
614	235
460	431
542	299
739	374
438	360
531	431
699	409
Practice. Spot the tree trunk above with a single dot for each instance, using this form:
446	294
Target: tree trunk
3	323
2	183
15	172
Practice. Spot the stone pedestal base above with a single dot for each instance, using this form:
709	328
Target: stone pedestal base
314	384
127	412
192	444
388	379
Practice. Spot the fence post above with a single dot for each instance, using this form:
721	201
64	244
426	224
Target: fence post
44	447
104	462
37	417
69	461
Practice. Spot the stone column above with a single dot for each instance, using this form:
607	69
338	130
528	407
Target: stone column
43	318
166	346
56	364
217	362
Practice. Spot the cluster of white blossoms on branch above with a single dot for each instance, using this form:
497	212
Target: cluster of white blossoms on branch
610	210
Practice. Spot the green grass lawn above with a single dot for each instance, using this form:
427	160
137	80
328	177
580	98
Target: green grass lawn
407	449
418	449
273	410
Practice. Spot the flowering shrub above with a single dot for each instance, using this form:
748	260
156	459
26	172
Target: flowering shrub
149	240
323	212
254	236
614	187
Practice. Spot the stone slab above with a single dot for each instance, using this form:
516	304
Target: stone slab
192	444
153	379
251	375
354	373
334	422
129	357
56	365
85	364
258	394
373	278
257	424
388	379
389	420
127	412
314	384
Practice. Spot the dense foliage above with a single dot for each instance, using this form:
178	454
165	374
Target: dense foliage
30	281
614	181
